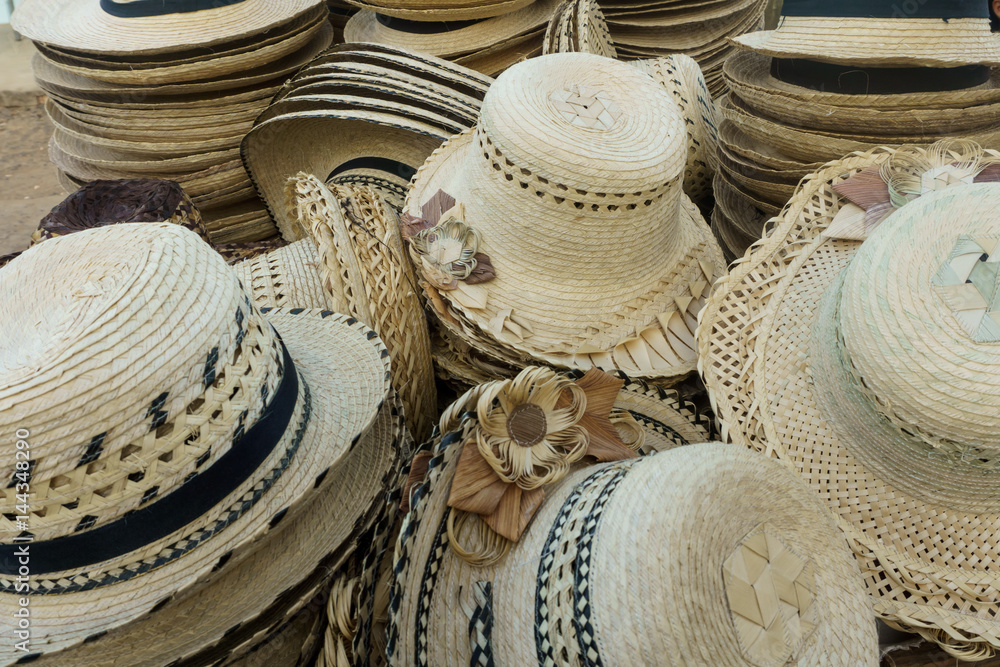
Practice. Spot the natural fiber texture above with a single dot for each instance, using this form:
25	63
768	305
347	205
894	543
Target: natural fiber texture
866	41
295	642
288	277
441	10
578	26
361	257
801	350
562	165
123	298
579	588
85	26
682	78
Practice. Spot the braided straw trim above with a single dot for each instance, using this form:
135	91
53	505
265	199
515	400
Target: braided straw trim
361	256
940	602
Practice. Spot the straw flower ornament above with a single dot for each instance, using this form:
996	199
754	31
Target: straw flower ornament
529	432
908	174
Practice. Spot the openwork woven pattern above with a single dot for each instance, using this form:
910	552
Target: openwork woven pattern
286	278
926	565
361	257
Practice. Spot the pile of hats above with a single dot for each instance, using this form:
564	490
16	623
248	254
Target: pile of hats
820	87
857	343
578	26
485	35
167	90
510	224
359	114
194	461
651	28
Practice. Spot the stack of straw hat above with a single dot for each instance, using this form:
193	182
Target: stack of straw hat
820	87
167	90
696	554
649	28
487	36
510	224
857	342
232	460
359	114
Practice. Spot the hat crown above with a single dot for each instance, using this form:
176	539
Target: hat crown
919	321
134	358
575	124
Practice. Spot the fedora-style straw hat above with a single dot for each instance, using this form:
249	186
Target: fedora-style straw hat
221	445
351	260
855	342
737	563
510	223
882	34
130	27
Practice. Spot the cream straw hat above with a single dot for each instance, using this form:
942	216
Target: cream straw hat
136	497
131	27
703	554
442	10
574	154
867	367
881	33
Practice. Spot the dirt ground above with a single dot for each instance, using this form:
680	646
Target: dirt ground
28	184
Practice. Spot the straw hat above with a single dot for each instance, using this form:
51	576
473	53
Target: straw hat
447	39
135	499
578	26
881	33
758	575
350	260
876	357
682	78
132	27
573	154
442	10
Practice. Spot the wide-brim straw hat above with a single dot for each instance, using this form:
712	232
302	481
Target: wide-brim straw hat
681	76
881	33
496	58
442	10
104	27
547	189
269	48
109	544
351	260
703	554
444	39
881	413
578	26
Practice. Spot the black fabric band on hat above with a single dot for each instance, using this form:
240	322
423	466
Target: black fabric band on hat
394	167
847	80
141	8
423	27
888	9
174	510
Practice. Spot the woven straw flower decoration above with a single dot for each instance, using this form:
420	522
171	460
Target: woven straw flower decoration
911	172
447	252
530	431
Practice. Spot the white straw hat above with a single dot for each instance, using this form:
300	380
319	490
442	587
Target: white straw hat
702	554
867	366
172	427
150	26
574	155
881	33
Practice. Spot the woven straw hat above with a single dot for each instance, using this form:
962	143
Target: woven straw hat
132	27
578	26
564	163
444	39
442	10
881	33
351	260
135	498
882	375
682	78
758	575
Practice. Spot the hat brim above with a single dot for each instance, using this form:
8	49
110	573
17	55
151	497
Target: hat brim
913	554
906	42
344	460
82	25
